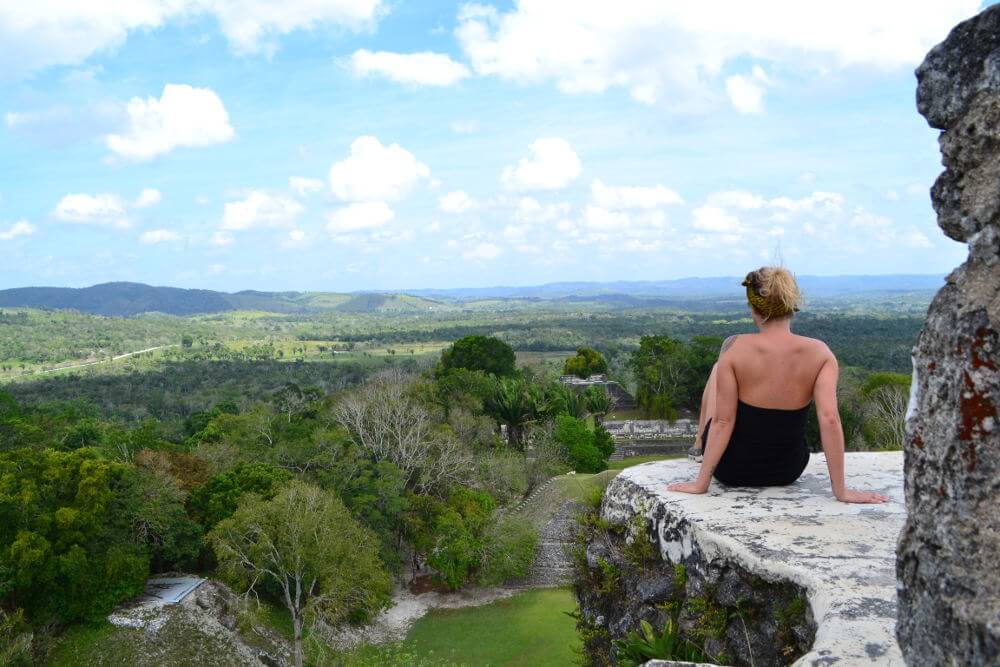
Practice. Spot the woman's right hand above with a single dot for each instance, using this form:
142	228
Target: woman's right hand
864	497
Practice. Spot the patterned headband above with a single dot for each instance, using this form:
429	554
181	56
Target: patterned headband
761	304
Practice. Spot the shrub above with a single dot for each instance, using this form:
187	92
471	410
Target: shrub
579	445
508	550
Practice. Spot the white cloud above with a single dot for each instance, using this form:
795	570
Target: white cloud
483	251
303	186
221	239
159	236
532	211
260	209
148	197
737	199
183	116
362	216
374	172
102	209
676	51
35	35
602	219
553	165
19	228
715	219
297	235
457	201
745	93
422	69
632	197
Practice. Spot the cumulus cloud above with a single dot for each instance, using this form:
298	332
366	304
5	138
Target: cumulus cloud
102	209
715	219
303	186
456	201
376	173
182	116
673	51
19	228
359	217
421	69
746	93
553	165
37	35
260	209
159	236
148	197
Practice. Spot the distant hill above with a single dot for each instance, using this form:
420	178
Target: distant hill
691	288
126	299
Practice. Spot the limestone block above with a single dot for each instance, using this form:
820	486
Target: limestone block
949	581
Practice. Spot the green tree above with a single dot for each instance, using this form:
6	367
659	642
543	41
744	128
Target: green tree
480	353
451	533
67	552
374	491
219	497
661	367
598	401
511	405
579	444
587	362
304	542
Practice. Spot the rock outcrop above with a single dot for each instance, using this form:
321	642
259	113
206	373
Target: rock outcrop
949	583
756	576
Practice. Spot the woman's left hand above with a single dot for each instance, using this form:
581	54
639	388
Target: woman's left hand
688	487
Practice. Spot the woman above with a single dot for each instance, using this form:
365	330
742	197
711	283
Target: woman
759	395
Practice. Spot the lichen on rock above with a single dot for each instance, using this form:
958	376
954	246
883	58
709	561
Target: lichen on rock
949	584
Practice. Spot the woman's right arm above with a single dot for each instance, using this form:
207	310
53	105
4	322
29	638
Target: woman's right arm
832	434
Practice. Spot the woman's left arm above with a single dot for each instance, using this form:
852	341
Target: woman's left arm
722	427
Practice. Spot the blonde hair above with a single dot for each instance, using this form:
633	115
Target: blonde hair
778	292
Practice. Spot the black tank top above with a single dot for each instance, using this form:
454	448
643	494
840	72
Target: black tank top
767	448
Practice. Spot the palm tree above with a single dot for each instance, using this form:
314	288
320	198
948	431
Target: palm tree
599	402
511	405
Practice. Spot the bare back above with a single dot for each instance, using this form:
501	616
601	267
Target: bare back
777	370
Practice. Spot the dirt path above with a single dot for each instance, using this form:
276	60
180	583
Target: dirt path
105	361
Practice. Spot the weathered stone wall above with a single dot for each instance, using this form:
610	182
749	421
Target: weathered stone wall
949	581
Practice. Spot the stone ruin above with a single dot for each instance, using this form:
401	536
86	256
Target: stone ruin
948	574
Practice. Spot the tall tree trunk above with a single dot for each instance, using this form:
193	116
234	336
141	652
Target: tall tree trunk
297	624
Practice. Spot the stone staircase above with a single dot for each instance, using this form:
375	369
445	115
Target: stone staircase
552	566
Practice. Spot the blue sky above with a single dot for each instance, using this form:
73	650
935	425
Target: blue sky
365	144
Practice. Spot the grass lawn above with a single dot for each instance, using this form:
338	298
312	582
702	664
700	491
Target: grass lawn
529	629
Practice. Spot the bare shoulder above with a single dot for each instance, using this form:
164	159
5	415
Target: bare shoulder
819	352
728	343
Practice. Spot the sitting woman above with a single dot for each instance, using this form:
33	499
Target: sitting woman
758	397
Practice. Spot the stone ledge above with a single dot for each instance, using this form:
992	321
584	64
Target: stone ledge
843	555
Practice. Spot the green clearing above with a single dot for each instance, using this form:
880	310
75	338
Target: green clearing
530	629
636	460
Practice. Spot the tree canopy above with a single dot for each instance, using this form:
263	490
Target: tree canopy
480	353
304	542
587	362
